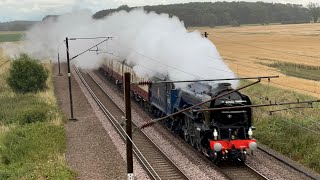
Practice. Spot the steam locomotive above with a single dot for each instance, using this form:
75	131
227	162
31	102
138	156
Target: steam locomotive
222	135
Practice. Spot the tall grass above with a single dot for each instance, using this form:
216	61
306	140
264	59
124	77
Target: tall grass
294	133
32	138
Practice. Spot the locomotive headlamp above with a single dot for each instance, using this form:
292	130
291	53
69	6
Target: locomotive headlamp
217	147
215	134
253	146
250	133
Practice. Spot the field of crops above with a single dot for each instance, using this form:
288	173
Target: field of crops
252	51
293	53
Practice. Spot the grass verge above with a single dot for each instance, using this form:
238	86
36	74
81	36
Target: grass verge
297	70
32	138
294	133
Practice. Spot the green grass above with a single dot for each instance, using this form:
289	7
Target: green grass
11	37
297	70
30	152
287	131
32	137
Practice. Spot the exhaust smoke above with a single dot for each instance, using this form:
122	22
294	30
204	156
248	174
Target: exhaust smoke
153	44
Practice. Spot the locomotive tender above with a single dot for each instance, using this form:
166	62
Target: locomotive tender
220	135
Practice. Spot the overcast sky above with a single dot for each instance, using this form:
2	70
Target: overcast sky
37	9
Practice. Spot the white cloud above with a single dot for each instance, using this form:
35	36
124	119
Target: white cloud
37	9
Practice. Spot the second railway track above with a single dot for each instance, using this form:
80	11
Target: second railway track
156	163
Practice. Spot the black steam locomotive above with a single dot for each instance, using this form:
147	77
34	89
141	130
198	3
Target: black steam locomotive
224	134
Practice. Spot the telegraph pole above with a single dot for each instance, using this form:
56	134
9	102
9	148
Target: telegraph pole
69	80
69	59
59	74
128	125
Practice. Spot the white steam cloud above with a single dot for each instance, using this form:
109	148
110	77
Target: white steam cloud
152	44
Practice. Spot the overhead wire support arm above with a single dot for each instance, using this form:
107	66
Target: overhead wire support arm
289	108
68	64
203	80
151	122
96	45
257	105
91	38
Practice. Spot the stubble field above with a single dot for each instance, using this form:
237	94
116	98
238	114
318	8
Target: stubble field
293	53
267	50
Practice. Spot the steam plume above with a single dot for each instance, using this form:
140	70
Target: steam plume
152	44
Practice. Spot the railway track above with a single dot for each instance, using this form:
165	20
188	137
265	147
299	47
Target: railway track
155	162
241	172
229	171
245	171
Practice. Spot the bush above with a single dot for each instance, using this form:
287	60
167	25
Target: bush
27	75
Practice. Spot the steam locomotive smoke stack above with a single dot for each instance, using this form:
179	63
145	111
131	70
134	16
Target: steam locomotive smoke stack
153	44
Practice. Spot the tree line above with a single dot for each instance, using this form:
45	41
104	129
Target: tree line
213	14
16	25
231	13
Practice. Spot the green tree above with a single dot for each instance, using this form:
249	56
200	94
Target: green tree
314	10
227	13
27	75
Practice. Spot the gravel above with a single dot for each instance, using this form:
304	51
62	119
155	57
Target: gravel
272	168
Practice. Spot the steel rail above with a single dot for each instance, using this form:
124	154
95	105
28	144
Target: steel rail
119	128
242	172
222	171
227	175
144	134
137	152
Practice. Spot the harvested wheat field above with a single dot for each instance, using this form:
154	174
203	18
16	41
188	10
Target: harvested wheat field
290	51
